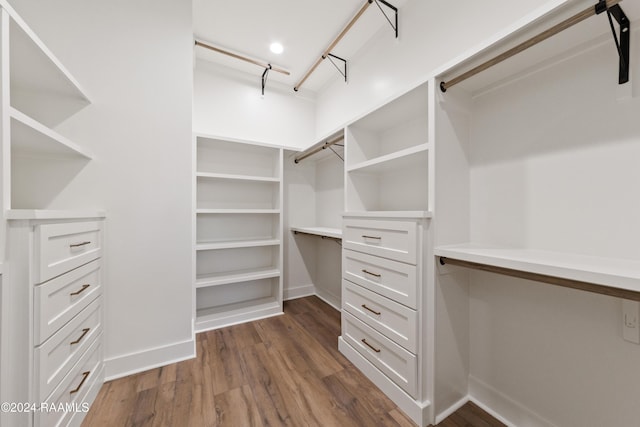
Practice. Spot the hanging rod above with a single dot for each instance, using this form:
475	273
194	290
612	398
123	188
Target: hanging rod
242	58
587	13
552	280
344	31
317	148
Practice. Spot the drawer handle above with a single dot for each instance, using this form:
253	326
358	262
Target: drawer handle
85	331
372	237
377	350
77	245
84	287
372	274
377	313
85	375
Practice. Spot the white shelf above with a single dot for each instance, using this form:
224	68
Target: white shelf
204	281
225	315
610	272
234	244
388	214
237	177
397	160
40	84
237	211
30	136
334	233
18	214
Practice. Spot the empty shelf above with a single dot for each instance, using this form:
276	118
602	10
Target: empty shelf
225	315
334	233
388	214
52	214
237	211
233	244
206	280
237	177
610	276
397	160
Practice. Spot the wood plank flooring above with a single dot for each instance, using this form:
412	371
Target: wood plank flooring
280	371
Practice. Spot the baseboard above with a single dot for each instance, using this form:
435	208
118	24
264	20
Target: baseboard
502	407
299	292
451	409
133	363
418	412
331	299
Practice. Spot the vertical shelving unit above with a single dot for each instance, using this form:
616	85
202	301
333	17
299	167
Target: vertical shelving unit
238	210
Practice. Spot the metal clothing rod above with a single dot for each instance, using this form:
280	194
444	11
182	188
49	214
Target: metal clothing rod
313	150
242	58
552	280
587	13
333	44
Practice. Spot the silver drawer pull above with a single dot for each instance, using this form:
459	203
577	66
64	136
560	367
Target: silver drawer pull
85	375
372	237
77	245
82	289
85	331
372	274
377	350
377	313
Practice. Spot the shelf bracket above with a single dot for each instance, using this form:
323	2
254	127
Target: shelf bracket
395	10
623	44
265	74
331	57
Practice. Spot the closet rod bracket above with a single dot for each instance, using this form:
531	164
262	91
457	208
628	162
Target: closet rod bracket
395	10
331	57
623	44
265	74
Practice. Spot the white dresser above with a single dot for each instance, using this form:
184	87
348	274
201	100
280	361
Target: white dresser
53	316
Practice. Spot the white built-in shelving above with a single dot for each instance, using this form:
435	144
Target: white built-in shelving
387	156
238	237
334	233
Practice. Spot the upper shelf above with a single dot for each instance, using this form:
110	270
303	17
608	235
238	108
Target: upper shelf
41	86
608	272
30	136
334	233
396	160
237	177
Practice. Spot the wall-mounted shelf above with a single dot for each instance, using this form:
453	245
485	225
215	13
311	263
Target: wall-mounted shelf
407	157
206	280
237	211
233	244
237	177
609	274
333	233
18	214
388	214
32	137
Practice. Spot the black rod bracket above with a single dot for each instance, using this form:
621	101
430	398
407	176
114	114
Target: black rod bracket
265	74
624	42
395	10
331	58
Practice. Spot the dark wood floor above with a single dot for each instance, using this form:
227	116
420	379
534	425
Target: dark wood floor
281	371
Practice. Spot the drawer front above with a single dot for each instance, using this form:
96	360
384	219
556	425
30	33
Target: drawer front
55	358
391	359
394	280
72	391
61	299
63	247
389	239
395	321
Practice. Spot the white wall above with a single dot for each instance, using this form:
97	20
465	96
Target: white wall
229	103
431	34
135	60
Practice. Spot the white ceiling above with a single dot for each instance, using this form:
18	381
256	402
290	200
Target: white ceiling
304	27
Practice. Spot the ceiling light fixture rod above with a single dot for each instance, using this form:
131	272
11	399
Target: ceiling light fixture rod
333	44
259	63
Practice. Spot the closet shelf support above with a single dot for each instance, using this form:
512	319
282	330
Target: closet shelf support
331	57
623	44
395	10
265	74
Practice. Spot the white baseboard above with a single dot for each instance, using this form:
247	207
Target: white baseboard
299	292
132	363
502	407
451	409
331	299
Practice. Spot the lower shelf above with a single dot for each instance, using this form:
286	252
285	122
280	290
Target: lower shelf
231	314
206	280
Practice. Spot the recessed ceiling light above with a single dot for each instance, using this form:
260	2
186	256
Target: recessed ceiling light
276	48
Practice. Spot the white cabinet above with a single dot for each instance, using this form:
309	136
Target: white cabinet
52	325
238	237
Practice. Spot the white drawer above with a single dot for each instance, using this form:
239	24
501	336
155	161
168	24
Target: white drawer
395	321
63	247
394	280
55	358
389	239
59	300
72	391
391	359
